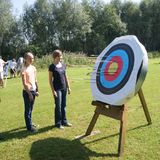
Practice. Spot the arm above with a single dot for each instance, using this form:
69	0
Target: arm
68	85
51	84
36	82
26	87
4	63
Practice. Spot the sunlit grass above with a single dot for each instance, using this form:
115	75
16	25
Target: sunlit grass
142	141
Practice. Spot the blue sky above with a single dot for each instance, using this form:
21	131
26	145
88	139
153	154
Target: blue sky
18	5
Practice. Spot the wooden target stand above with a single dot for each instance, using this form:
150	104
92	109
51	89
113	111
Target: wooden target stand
118	113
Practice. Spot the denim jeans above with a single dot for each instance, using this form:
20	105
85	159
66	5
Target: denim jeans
28	107
60	107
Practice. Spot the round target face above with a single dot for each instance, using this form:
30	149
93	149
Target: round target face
111	79
119	71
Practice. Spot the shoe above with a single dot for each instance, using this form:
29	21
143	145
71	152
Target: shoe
33	130
67	125
60	127
35	125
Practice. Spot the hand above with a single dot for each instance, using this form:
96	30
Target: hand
54	93
31	97
37	94
69	91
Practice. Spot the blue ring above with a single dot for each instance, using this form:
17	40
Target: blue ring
110	84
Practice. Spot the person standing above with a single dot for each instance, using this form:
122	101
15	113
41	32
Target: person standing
30	89
59	86
13	68
2	63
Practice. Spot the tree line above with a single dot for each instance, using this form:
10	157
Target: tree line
86	26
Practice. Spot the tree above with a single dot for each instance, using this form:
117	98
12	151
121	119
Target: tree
6	19
72	25
36	24
105	27
56	23
130	14
150	24
88	26
14	40
117	4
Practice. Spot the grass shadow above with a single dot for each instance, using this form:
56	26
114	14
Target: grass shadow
116	134
20	133
58	148
62	149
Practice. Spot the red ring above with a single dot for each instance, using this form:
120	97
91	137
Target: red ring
112	77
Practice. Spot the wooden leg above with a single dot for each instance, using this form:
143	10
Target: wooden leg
122	133
92	123
144	105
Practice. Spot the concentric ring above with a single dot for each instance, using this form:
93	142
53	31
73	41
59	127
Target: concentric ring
114	74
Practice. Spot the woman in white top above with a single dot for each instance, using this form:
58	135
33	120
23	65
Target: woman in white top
30	89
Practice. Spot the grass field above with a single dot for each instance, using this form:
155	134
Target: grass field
142	141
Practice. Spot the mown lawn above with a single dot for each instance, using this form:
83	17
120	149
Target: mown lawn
142	141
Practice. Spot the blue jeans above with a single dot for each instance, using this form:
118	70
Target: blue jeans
60	107
28	107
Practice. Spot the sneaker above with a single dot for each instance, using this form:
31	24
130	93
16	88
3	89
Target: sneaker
33	130
35	125
67	125
60	127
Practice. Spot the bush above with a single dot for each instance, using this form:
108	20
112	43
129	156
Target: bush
155	54
76	59
34	49
70	59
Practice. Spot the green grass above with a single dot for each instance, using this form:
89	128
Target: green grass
142	141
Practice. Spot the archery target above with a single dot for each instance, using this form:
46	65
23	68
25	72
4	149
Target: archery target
119	71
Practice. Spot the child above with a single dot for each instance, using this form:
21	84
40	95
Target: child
59	85
30	90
